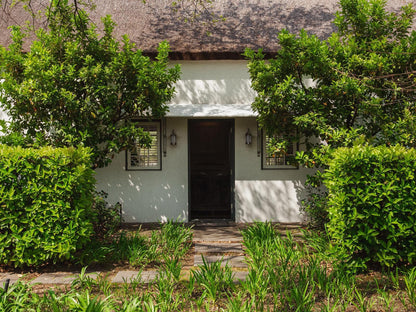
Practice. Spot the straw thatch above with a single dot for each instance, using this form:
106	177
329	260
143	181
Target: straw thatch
248	23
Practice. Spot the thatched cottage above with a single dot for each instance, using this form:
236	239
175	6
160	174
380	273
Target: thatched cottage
209	159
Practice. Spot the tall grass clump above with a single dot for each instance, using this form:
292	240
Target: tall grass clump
213	278
164	247
16	297
296	273
174	239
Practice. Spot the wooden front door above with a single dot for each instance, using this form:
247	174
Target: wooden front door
211	157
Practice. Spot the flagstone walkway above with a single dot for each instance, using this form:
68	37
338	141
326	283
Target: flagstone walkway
211	243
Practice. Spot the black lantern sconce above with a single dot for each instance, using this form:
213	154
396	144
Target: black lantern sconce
259	133
173	138
248	137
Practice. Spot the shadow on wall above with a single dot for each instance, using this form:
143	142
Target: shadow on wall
219	91
145	201
264	200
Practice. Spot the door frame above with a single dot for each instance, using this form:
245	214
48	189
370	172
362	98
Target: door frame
232	165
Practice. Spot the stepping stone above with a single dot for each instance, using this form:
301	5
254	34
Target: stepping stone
240	276
129	276
11	276
233	261
61	277
218	248
217	234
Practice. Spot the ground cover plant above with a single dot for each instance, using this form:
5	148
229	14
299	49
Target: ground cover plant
286	272
165	246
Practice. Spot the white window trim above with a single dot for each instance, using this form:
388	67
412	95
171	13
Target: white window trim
265	166
158	165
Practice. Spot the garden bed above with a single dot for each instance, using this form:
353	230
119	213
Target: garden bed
283	275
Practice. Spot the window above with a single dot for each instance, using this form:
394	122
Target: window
276	155
146	158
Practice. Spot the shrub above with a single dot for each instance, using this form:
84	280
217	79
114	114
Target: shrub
372	200
107	217
45	199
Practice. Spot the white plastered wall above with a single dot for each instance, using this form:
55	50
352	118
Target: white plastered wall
151	196
263	195
208	89
3	116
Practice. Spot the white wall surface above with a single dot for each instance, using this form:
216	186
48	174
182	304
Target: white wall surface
213	89
260	195
214	82
151	196
3	115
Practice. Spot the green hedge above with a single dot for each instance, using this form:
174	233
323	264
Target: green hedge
372	205
45	204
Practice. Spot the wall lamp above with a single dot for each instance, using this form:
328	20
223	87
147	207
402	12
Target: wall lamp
248	137
173	138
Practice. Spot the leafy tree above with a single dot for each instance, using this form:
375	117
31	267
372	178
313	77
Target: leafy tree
356	86
76	87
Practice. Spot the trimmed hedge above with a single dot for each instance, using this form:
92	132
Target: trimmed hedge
372	205
46	196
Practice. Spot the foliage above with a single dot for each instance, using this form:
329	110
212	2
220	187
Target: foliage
107	218
164	247
356	79
372	199
355	86
174	238
213	278
75	86
15	298
297	276
45	198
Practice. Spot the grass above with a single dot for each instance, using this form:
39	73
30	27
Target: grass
284	274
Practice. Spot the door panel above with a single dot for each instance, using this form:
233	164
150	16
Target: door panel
211	168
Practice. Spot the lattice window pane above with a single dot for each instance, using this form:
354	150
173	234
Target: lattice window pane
275	159
146	157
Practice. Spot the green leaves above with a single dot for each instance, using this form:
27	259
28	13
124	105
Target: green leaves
357	78
74	87
356	87
371	204
45	198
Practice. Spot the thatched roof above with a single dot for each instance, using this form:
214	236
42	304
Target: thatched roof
248	23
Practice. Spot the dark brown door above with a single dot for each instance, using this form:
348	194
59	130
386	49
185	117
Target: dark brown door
211	156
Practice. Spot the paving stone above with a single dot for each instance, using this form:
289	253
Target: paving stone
128	276
233	261
218	248
240	276
11	276
217	234
61	277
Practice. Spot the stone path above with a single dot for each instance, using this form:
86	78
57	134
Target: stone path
220	243
214	243
132	276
